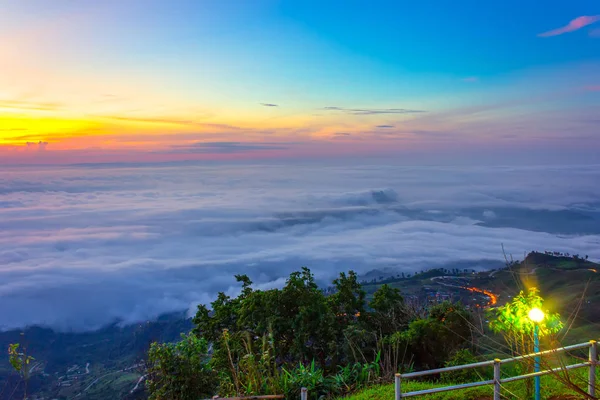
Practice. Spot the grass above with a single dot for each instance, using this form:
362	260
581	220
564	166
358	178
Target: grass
552	388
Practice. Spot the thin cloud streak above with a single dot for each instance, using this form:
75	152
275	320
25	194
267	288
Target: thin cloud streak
28	105
223	147
574	25
372	111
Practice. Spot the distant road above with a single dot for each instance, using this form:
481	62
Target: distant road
442	278
109	373
138	383
439	279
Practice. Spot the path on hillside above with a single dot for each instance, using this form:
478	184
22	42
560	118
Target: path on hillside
109	373
138	383
441	278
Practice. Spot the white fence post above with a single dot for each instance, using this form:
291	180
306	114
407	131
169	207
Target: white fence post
496	379
304	394
398	386
593	358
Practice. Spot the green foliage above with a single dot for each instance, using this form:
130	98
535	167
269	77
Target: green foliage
348	301
309	376
304	321
432	340
513	322
355	376
179	371
19	360
462	357
255	372
279	340
21	363
349	378
298	317
514	316
389	314
552	389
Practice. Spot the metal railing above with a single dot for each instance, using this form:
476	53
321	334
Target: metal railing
498	381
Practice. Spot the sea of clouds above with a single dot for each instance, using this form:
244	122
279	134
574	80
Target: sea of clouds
83	246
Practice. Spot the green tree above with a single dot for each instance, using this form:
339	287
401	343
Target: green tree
303	320
21	362
261	333
388	312
180	371
348	301
513	323
433	339
297	320
462	357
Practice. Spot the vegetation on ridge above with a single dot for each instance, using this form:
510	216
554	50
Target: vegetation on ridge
279	340
570	285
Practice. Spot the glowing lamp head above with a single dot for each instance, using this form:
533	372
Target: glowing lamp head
536	315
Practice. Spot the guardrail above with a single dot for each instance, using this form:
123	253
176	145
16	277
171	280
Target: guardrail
498	381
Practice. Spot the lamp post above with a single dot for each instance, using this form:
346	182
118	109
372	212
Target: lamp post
536	315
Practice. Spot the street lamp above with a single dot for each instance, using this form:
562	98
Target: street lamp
537	316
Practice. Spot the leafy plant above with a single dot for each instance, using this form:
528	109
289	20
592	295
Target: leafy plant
462	357
309	376
433	339
20	361
255	372
280	340
513	322
179	371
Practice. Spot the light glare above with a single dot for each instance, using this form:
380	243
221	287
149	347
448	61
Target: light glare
536	315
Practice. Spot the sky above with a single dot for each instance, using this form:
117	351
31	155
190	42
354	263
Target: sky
117	81
85	246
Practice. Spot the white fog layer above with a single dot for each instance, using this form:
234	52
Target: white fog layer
81	247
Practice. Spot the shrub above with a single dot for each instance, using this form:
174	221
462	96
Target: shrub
179	371
462	357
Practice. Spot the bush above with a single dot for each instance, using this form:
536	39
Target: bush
355	376
179	371
462	357
310	377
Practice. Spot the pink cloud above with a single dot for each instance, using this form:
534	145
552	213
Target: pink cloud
594	88
471	79
574	25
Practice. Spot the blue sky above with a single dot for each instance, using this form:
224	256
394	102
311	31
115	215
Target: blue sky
130	80
464	38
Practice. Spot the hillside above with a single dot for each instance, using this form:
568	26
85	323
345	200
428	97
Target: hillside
102	364
567	285
109	363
